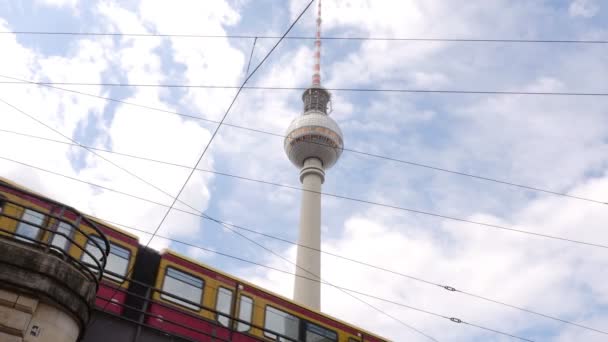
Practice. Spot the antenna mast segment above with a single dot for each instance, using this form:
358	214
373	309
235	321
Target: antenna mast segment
316	77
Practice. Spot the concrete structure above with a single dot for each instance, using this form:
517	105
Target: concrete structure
313	143
43	298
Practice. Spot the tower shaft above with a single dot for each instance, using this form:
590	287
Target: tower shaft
307	291
313	143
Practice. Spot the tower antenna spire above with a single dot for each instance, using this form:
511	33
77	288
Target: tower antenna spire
316	76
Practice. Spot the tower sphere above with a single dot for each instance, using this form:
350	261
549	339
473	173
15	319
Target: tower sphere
314	135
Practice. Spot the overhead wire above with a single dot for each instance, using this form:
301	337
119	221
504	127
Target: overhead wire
176	198
251	55
202	154
230	227
353	199
318	279
333	89
338	38
367	154
575	94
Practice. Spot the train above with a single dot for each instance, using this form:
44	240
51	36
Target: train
163	290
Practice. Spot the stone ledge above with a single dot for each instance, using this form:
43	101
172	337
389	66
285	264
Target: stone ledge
26	304
10	338
13	321
8	298
29	270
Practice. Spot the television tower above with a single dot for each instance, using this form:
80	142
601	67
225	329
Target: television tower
313	143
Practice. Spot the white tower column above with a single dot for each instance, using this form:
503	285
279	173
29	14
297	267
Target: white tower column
308	292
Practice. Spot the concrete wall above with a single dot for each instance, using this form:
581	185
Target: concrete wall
26	319
107	327
43	297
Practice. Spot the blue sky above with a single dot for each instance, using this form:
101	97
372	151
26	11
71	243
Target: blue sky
558	143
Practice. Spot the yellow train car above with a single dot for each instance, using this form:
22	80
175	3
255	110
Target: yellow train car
208	302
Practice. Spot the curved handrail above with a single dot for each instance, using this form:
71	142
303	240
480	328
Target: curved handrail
99	262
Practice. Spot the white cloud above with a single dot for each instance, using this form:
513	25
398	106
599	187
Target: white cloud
59	3
583	8
557	143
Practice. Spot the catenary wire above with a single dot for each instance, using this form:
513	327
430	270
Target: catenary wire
208	144
334	89
204	216
364	201
230	256
229	226
367	154
249	36
446	287
200	158
453	319
251	55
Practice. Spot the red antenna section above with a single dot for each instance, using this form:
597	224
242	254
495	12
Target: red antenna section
316	76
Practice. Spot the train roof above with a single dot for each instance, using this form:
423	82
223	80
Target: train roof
111	226
193	261
25	189
46	198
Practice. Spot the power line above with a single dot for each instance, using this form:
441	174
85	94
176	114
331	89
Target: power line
155	234
229	226
251	55
367	154
449	288
355	90
353	38
446	287
353	199
176	198
200	215
227	255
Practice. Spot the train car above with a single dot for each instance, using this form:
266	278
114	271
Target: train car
164	291
210	303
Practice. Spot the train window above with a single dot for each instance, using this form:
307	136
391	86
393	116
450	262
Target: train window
281	322
60	241
245	313
184	286
315	333
117	262
27	226
351	339
223	305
